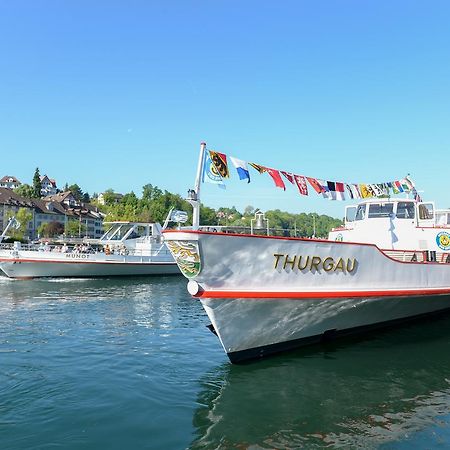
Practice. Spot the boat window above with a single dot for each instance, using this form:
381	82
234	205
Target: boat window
380	210
350	213
442	218
405	210
138	231
120	233
426	211
360	212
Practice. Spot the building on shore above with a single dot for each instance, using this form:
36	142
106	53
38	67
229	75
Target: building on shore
60	208
10	182
48	186
114	196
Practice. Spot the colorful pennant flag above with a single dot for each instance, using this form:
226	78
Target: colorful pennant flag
340	191
365	191
315	185
241	167
215	169
276	177
298	180
210	173
405	185
399	186
326	193
260	169
220	163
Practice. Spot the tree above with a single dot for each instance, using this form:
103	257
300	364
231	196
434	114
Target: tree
51	229
74	228
86	198
150	192
76	192
37	185
23	216
25	190
109	197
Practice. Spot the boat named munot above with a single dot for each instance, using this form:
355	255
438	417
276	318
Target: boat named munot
263	294
126	249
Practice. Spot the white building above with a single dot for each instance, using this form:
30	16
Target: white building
48	186
9	182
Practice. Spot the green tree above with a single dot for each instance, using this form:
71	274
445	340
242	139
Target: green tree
25	190
37	185
51	229
74	228
150	192
76	192
109	197
23	216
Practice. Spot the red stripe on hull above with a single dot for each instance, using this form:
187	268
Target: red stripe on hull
306	295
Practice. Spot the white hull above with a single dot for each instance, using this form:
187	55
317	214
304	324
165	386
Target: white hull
261	296
41	264
273	325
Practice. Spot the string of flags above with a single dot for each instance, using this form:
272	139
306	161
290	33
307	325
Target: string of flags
216	169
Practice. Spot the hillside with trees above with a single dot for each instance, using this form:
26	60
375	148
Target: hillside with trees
154	204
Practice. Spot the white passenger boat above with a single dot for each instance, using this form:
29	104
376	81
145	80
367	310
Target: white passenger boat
264	294
127	248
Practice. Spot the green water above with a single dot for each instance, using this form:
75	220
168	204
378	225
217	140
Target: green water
129	364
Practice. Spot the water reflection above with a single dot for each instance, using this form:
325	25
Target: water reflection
353	394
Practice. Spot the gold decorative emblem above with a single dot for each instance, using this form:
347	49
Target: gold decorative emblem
187	257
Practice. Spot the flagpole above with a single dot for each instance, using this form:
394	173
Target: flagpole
194	195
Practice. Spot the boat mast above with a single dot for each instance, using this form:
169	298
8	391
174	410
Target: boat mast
194	194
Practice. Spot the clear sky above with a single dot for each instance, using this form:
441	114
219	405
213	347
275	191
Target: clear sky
118	94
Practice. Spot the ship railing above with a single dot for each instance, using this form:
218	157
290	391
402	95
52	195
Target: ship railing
139	252
424	256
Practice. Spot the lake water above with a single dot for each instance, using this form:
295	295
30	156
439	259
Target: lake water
130	364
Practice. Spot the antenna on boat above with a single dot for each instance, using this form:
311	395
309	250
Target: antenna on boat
194	194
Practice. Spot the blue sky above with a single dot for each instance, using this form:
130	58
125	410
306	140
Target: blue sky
111	94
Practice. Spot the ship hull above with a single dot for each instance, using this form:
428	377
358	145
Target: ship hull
267	294
80	266
255	328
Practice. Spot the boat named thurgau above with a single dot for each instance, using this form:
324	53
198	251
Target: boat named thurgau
264	294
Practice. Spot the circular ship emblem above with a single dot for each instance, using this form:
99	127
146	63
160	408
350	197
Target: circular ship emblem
339	238
443	240
187	257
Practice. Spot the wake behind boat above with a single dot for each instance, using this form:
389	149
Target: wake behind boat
126	249
264	294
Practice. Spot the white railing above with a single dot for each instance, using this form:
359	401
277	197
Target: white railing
424	256
56	249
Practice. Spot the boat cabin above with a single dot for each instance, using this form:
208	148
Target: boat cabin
403	224
132	235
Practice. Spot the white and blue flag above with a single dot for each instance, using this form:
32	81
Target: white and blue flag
241	167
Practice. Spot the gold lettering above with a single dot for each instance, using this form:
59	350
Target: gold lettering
339	265
289	261
352	268
328	264
315	261
277	258
300	260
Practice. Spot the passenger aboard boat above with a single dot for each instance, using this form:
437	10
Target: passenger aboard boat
263	294
127	248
